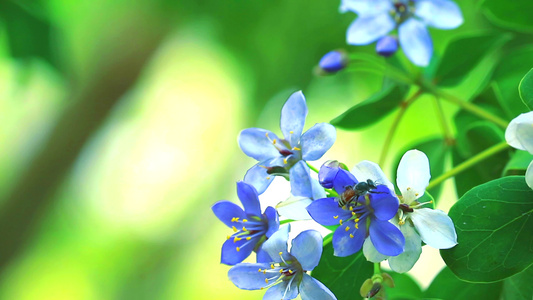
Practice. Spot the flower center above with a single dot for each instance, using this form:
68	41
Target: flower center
291	154
286	270
403	9
249	230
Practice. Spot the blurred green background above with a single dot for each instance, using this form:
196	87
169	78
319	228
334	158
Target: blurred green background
119	132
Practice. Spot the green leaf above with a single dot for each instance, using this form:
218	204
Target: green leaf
372	109
464	53
447	286
526	89
514	14
343	275
518	163
405	287
519	287
493	223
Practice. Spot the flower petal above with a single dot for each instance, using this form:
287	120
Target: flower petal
442	14
367	29
278	243
258	177
435	227
529	175
384	203
282	291
249	198
370	170
312	289
262	256
247	277
413	175
366	7
307	249
255	143
318	191
301	180
342	180
413	248
230	254
295	208
325	210
293	116
519	134
227	211
273	221
386	237
343	242
317	140
327	173
416	42
371	254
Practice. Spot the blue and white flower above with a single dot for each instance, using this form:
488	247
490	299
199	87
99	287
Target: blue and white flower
433	226
519	135
278	156
285	275
377	18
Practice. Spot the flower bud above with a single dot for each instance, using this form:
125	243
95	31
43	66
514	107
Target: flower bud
387	46
333	61
328	172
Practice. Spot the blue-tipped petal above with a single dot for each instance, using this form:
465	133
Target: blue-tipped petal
278	243
370	170
318	191
262	256
282	291
333	61
301	180
249	198
312	289
324	210
384	203
307	249
435	227
317	140
293	116
366	7
416	42
258	177
247	276
226	211
294	208
273	220
442	14
371	254
255	143
367	29
413	248
386	237
343	243
342	180
387	46
230	254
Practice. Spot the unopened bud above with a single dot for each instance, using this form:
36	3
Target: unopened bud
387	46
328	172
333	61
376	287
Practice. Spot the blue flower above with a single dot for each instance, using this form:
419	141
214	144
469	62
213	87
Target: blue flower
363	209
333	61
277	156
376	18
250	227
387	46
284	275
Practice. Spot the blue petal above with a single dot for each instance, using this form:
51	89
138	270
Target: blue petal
278	243
318	191
342	180
333	61
366	7
282	291
387	46
416	42
301	180
384	203
258	177
312	289
317	140
226	211
273	220
262	256
255	143
367	29
443	14
231	256
343	243
249	198
386	237
328	172
293	116
324	210
248	277
307	249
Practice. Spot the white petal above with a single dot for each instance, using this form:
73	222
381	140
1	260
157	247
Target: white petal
294	208
529	175
367	29
443	14
366	7
369	170
435	227
413	175
519	133
416	42
413	247
371	254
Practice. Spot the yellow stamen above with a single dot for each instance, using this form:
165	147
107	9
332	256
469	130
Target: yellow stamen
347	228
229	237
416	194
353	213
234	229
356	220
335	217
244	229
296	148
248	238
281	271
238	249
356	225
274	141
291	132
351	236
340	222
260	270
264	271
236	239
290	271
266	280
285	160
280	253
268	177
272	266
244	220
351	207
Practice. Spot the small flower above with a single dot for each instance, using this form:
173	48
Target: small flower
363	209
377	18
519	135
333	61
277	156
285	275
417	224
328	172
387	46
250	227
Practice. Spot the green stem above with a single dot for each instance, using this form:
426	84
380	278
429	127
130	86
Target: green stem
390	135
332	192
444	125
377	268
468	163
327	239
285	221
311	167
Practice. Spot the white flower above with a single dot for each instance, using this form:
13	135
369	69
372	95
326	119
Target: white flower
519	135
417	224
